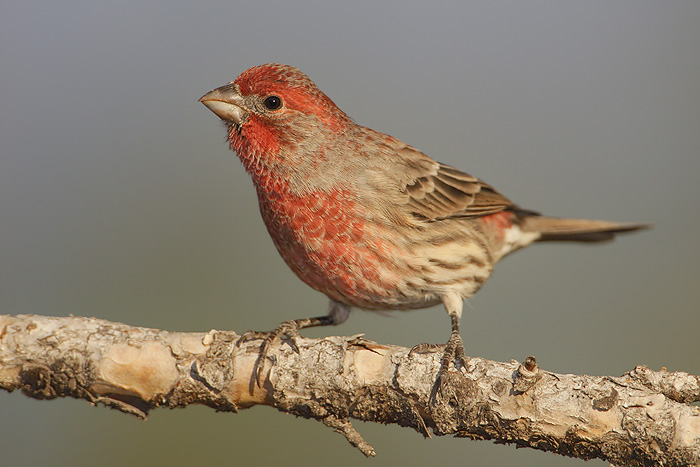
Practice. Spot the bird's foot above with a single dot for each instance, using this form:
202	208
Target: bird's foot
424	347
287	329
452	353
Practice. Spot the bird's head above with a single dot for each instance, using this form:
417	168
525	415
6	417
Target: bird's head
273	106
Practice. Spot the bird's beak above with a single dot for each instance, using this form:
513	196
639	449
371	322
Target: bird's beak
227	103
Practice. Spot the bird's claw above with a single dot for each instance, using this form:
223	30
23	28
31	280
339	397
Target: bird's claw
453	353
424	347
288	329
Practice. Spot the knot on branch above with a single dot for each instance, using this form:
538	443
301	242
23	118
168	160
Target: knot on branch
526	376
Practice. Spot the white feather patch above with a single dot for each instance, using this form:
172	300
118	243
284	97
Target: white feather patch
515	239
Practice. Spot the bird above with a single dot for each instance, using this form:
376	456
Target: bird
366	219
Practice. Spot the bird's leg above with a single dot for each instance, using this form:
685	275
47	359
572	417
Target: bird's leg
454	349
337	313
453	353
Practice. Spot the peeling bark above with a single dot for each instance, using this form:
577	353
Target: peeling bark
638	419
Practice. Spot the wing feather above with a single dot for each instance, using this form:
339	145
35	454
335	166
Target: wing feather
445	192
427	190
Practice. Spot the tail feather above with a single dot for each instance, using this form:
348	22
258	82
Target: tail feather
576	230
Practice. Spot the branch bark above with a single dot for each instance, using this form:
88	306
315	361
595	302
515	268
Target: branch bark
641	418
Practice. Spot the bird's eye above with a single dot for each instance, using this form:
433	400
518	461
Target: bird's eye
272	102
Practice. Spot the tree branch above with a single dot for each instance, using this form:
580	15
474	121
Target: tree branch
641	418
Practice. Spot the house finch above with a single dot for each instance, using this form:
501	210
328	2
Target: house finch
365	218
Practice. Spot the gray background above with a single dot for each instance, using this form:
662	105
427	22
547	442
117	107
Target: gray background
119	198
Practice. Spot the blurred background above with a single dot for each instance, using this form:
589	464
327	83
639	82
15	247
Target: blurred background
120	199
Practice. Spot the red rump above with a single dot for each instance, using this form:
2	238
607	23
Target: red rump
501	220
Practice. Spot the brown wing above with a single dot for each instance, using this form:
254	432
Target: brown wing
446	192
422	188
